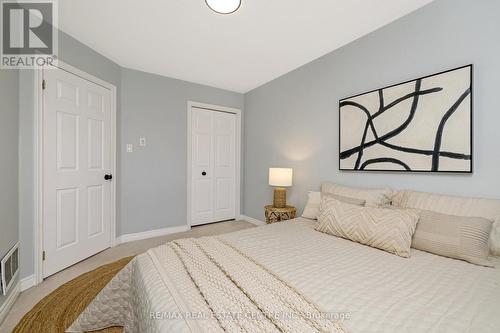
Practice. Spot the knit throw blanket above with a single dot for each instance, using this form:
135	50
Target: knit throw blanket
217	288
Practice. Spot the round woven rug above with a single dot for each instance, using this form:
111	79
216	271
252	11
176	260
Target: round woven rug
58	310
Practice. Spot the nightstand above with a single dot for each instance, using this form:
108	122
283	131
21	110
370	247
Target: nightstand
274	214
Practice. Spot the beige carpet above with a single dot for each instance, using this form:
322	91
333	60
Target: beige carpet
58	310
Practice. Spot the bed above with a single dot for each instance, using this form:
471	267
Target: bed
354	287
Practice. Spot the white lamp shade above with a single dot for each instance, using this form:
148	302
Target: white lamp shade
280	177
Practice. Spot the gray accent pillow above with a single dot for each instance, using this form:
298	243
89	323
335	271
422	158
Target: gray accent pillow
457	237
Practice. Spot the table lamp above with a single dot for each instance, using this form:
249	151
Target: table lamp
280	178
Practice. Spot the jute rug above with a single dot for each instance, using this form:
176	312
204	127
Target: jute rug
57	311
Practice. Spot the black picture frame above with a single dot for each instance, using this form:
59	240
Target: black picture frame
471	89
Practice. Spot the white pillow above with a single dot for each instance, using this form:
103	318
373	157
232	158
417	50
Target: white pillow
373	197
311	211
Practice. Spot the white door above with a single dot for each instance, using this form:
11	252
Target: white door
213	161
76	159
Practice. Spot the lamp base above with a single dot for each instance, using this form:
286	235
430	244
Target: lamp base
279	197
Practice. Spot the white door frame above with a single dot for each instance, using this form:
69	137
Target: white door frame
39	154
217	108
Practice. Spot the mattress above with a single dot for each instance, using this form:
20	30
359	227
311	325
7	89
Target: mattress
366	289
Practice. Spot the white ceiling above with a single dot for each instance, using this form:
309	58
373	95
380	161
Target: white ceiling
184	39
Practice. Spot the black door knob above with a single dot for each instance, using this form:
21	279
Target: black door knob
108	177
203	173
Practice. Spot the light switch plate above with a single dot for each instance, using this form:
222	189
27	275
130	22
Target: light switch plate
130	148
142	141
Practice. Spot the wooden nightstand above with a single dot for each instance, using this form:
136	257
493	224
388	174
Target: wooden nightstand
274	214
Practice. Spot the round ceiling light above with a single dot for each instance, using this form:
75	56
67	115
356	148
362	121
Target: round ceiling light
224	6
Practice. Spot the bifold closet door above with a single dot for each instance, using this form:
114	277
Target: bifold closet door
213	164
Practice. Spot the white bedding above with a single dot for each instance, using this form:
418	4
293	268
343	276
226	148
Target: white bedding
374	290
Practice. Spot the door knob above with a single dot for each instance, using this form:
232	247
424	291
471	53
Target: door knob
108	177
203	173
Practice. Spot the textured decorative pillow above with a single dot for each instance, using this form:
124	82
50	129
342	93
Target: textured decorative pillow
390	230
372	197
311	210
458	237
459	206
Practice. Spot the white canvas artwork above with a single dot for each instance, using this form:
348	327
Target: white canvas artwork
424	125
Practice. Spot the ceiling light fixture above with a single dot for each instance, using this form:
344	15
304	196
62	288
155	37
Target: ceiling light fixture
224	6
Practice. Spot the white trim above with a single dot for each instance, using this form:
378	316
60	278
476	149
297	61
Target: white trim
150	234
38	176
251	220
27	282
9	302
38	107
219	108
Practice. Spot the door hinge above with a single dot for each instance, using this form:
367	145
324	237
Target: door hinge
43	84
43	255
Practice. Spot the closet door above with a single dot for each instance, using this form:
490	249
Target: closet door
213	160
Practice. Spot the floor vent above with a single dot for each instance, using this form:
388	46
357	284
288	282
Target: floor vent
9	268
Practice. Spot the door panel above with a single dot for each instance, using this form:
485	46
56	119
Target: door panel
224	193
67	217
96	144
203	150
95	101
95	210
67	92
67	141
225	165
213	159
77	154
223	153
203	203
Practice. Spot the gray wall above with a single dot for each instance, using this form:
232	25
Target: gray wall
153	179
78	55
293	120
9	132
26	171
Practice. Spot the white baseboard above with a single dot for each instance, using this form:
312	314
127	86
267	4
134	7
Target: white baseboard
9	302
27	282
251	220
150	234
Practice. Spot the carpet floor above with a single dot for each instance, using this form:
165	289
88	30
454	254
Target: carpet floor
58	310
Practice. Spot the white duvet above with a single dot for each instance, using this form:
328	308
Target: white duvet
367	289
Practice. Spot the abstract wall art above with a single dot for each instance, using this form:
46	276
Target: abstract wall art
423	125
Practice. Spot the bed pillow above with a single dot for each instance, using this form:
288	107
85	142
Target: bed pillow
457	237
311	210
386	229
459	206
373	197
